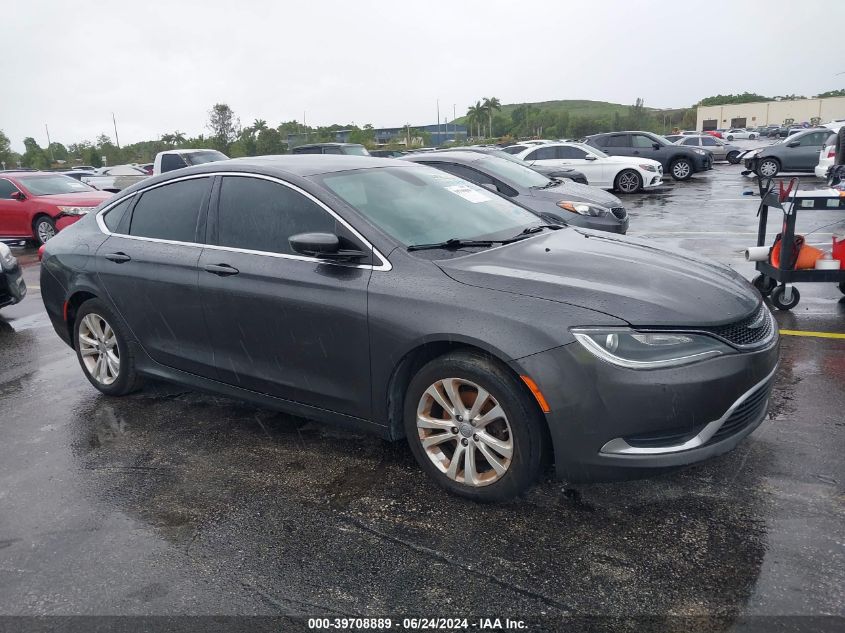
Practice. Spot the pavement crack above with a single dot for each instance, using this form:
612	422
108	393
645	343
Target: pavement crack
422	549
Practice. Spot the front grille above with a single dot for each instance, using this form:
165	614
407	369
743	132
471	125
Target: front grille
753	331
666	437
619	212
751	410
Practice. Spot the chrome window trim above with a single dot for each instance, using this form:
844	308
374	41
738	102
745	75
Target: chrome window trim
619	446
385	264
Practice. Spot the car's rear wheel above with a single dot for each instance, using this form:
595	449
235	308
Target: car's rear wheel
43	229
752	136
681	169
103	351
628	181
768	168
729	138
473	427
733	157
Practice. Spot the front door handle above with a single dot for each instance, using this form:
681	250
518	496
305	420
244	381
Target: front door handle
222	270
118	258
636	152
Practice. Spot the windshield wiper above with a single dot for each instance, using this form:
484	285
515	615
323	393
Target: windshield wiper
455	243
539	227
553	182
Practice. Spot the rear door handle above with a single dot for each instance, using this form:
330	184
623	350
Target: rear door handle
223	270
118	258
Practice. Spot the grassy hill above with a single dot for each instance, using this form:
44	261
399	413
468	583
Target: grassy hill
575	107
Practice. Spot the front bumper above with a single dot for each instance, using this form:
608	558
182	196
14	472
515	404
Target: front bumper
607	422
12	287
609	223
821	170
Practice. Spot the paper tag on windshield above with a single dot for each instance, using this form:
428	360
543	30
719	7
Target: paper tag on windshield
468	193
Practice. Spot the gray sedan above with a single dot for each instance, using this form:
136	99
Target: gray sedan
555	200
717	147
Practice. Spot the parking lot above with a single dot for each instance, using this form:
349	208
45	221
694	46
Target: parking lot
171	501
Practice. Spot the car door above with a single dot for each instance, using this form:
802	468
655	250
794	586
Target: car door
596	171
14	219
802	154
642	146
543	156
148	268
280	323
713	146
618	145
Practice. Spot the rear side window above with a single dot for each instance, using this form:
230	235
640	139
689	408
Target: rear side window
170	212
542	153
639	140
619	140
114	215
690	141
568	152
169	162
514	149
331	149
260	215
308	150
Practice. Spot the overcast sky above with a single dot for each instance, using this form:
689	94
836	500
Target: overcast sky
160	65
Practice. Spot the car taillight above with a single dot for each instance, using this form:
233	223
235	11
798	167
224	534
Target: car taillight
831	151
41	252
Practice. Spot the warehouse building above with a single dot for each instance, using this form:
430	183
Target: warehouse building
811	111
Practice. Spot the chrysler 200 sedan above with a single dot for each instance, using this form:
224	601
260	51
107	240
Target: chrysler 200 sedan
401	300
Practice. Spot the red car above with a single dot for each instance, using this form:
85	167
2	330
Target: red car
35	205
715	133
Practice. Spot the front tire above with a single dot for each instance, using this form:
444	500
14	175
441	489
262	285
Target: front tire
43	229
733	157
473	427
103	351
681	169
768	168
628	181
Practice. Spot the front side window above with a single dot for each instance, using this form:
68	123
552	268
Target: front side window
709	141
53	185
260	215
169	162
419	205
641	141
515	149
6	188
543	153
691	141
170	212
568	152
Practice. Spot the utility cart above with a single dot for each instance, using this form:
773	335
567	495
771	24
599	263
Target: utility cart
776	281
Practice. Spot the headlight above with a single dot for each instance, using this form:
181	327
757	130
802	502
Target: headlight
583	208
7	260
649	350
75	210
648	167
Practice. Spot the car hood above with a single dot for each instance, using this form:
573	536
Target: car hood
78	199
576	191
624	278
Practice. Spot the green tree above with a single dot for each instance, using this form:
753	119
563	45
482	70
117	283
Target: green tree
475	115
5	150
34	157
223	125
366	136
831	93
491	104
270	142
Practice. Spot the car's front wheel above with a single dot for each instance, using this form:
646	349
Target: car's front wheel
473	427
733	157
628	181
681	169
43	229
768	168
103	351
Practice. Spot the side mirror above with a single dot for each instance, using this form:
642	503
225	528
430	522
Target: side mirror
17	195
793	144
590	157
322	245
656	145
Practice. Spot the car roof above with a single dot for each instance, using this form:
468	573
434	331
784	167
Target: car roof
289	164
329	145
455	156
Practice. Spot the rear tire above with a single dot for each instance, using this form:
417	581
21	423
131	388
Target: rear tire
43	229
729	138
628	181
751	137
489	453
103	351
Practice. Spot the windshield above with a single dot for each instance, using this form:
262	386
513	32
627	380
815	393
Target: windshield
518	174
53	185
590	149
422	205
356	150
200	158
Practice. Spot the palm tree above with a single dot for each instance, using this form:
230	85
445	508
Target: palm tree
167	139
475	115
178	137
490	104
259	124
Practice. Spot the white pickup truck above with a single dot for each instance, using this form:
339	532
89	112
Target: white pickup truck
114	179
179	158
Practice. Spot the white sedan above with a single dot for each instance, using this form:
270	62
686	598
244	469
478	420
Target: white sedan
623	173
736	132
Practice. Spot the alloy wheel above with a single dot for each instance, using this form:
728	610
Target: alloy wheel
464	432
45	231
681	169
768	168
629	182
98	348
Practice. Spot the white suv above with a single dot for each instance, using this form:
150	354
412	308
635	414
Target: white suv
623	173
828	150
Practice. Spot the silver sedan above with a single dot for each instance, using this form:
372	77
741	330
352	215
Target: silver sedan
716	146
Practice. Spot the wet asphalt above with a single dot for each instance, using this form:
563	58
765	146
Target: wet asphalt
171	501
